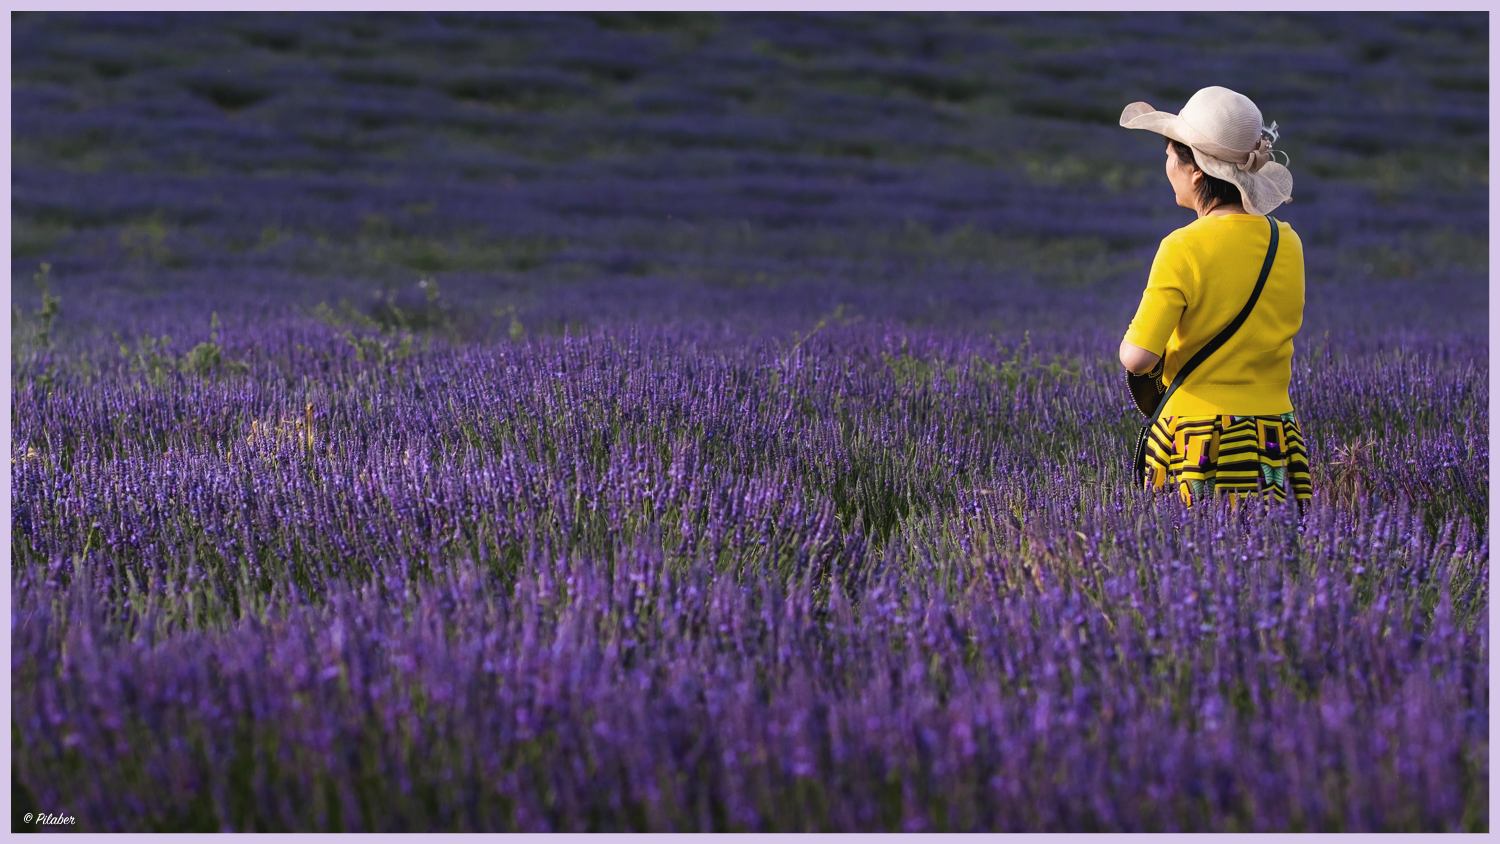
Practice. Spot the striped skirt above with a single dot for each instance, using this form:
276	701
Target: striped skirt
1238	456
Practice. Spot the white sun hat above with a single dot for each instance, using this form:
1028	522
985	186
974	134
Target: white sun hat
1224	129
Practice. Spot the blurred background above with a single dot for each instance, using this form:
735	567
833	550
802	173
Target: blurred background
508	175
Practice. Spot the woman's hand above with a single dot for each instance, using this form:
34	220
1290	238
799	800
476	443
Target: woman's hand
1137	359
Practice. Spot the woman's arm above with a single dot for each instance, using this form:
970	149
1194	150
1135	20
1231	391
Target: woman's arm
1137	359
1163	302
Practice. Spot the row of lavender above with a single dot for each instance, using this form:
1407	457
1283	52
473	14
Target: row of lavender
685	578
1172	676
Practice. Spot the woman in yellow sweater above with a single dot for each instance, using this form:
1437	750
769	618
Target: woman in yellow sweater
1229	427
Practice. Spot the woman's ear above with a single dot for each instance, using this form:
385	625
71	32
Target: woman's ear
1197	177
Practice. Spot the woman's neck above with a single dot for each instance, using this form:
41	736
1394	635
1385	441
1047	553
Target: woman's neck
1222	209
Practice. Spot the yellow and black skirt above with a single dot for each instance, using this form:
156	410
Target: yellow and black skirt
1238	456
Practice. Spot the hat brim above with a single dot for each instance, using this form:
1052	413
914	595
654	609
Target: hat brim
1261	191
1143	116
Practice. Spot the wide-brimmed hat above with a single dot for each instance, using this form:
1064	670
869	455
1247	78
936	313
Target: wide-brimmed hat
1229	142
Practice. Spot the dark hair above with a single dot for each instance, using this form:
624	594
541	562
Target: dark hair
1212	192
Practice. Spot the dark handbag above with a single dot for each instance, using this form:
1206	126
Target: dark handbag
1147	389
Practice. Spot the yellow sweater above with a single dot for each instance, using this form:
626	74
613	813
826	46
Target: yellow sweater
1202	276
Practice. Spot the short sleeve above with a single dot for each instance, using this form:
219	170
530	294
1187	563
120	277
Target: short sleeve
1164	299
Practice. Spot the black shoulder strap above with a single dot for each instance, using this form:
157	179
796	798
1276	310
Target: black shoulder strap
1219	339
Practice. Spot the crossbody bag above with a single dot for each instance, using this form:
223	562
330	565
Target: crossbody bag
1147	389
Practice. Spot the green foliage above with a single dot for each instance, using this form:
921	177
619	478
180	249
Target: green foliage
207	358
150	357
385	251
34	238
913	372
655	22
228	93
516	331
153	358
433	313
31	335
372	340
145	241
48	312
522	92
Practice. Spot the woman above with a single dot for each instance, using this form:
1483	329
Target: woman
1229	428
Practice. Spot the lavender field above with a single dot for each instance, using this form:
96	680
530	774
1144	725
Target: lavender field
677	422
